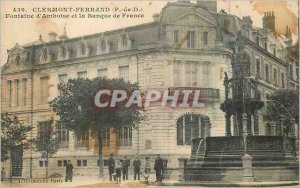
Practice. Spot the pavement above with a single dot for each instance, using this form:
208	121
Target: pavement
85	182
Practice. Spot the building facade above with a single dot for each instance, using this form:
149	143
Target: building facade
186	46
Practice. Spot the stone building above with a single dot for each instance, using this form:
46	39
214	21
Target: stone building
186	46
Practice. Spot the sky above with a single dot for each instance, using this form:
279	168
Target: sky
24	31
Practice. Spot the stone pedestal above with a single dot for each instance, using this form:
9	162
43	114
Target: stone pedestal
182	162
247	168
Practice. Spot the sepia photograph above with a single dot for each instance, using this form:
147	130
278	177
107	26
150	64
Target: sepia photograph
182	93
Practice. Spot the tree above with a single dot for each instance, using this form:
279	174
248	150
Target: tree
283	103
45	143
14	135
76	109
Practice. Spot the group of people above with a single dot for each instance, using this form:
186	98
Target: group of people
118	166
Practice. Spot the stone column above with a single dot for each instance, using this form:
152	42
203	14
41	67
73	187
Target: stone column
235	126
228	124
280	126
293	126
249	128
273	129
244	122
247	168
256	120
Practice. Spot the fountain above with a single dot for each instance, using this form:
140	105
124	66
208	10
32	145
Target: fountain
243	155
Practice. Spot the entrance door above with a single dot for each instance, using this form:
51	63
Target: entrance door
17	161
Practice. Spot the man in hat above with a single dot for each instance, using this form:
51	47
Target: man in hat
137	167
158	167
125	168
69	171
111	166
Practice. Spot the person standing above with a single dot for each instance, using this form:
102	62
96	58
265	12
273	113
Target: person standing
137	167
147	170
158	167
69	171
125	168
111	166
118	170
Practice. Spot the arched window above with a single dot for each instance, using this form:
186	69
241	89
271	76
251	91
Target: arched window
82	48
124	40
258	68
18	58
63	51
44	55
103	45
189	126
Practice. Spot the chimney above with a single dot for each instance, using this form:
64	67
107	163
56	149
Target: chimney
52	36
269	21
64	36
156	17
210	5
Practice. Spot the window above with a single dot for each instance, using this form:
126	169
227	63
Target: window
82	74
44	55
10	90
176	74
267	73
82	48
282	80
103	45
82	141
102	72
17	82
124	72
205	38
185	125
191	39
43	130
274	51
258	68
291	71
191	73
41	163
176	36
63	78
24	90
78	162
59	163
275	77
266	46
84	162
106	137
62	135
124	136
18	59
63	51
105	162
257	41
44	90
124	40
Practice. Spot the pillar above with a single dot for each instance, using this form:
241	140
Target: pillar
244	123
249	128
293	126
228	124
280	126
256	120
247	168
235	126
